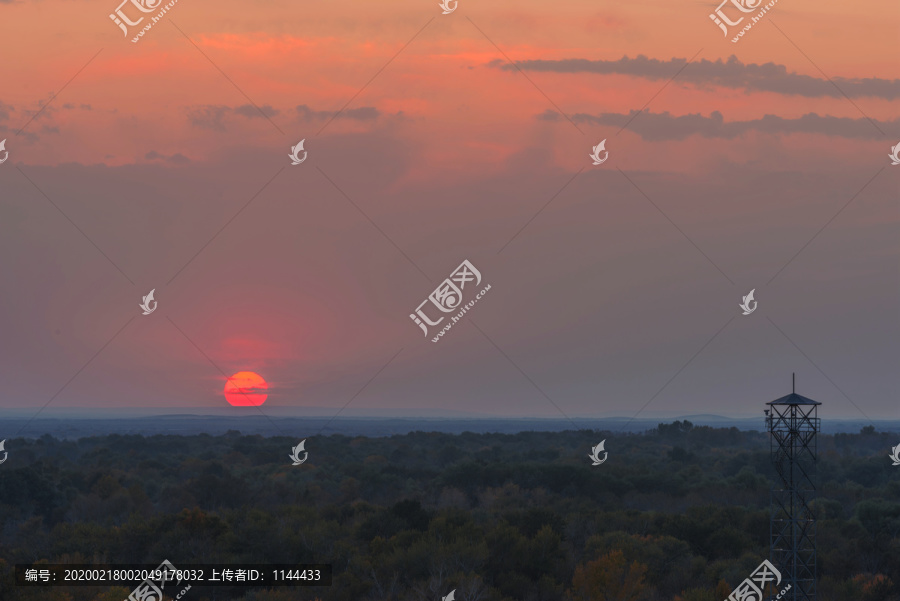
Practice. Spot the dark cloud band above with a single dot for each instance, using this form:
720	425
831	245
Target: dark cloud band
664	126
767	77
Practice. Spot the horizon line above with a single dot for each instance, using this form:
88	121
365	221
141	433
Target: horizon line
95	413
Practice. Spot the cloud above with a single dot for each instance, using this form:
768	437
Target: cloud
26	135
175	159
214	117
768	77
5	109
549	115
208	117
664	126
251	112
363	113
44	112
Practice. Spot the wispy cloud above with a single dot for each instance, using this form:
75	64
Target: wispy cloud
363	113
767	77
664	126
176	159
208	117
5	109
213	117
251	112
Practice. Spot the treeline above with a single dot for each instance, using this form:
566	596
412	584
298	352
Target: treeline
678	513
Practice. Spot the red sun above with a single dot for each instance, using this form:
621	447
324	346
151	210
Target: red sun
246	389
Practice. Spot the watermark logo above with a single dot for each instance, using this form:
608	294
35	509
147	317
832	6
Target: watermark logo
143	6
295	153
895	454
5	454
895	154
295	453
118	17
450	597
751	589
746	304
743	6
146	304
6	153
447	10
601	147
151	589
448	298
595	453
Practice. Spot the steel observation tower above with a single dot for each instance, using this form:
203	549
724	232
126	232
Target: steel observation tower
793	425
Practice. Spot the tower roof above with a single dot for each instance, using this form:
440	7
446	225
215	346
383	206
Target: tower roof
793	399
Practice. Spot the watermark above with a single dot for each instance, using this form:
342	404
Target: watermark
143	6
751	589
746	304
295	453
458	316
895	153
448	298
6	153
596	153
155	579
595	453
145	305
5	454
446	4
148	589
744	6
895	454
295	153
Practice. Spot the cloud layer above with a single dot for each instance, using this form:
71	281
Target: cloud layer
730	73
664	126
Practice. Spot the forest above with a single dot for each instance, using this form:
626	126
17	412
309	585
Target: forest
678	513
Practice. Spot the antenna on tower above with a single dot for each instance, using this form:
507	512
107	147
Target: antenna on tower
794	383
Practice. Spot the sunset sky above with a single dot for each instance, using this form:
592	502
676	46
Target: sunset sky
163	164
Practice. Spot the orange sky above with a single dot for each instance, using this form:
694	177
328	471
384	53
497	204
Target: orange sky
141	96
746	157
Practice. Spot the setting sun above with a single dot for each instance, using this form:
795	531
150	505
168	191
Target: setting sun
246	388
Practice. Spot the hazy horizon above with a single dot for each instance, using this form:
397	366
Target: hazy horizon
389	412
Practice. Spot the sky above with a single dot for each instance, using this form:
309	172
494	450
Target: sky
431	138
